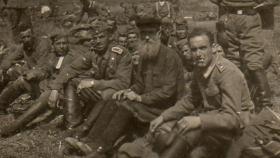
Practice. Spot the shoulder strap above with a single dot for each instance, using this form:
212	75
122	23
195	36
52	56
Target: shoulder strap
157	9
168	7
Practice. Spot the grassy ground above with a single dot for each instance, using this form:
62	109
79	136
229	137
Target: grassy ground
46	140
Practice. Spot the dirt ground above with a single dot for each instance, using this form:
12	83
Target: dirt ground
46	140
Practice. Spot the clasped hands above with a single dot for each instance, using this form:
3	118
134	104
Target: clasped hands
127	94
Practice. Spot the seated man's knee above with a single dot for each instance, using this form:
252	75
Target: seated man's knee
199	152
122	155
21	83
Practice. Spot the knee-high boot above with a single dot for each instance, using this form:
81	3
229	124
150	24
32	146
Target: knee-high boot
72	110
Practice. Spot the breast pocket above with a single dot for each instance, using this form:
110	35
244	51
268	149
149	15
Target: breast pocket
212	90
112	66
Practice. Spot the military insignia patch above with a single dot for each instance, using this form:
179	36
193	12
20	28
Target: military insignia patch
221	67
117	50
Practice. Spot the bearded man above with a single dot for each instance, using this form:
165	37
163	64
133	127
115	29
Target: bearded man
156	87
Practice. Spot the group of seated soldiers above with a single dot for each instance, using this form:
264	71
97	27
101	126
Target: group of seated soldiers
123	92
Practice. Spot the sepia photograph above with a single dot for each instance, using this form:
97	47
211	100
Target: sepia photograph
139	78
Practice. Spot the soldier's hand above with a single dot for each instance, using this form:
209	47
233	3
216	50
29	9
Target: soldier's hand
156	123
119	95
265	5
132	96
85	84
30	76
53	98
188	123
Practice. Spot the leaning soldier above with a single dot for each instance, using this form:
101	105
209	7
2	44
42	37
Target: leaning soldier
37	81
24	57
245	46
19	14
110	67
163	9
181	33
93	9
204	122
157	87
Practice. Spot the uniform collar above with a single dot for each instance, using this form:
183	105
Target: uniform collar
211	67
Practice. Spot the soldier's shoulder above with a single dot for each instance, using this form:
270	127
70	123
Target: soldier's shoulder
224	66
120	50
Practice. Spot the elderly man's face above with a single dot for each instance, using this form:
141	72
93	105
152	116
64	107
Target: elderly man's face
100	42
201	50
61	46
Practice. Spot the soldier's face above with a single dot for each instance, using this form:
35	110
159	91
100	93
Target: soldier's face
27	37
61	46
201	50
101	42
181	34
132	40
187	52
111	24
122	41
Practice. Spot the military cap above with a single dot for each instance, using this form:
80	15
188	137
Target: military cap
148	22
99	27
180	44
81	27
181	23
122	30
24	27
70	18
58	34
133	29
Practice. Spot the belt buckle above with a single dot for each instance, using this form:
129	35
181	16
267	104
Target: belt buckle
240	12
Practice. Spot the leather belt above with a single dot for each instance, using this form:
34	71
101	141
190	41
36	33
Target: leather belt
241	11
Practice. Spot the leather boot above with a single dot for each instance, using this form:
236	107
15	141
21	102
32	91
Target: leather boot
83	129
178	149
35	110
9	94
72	110
263	92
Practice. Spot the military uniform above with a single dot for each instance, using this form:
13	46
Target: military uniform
245	46
23	59
260	139
158	83
163	10
45	73
218	96
112	71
